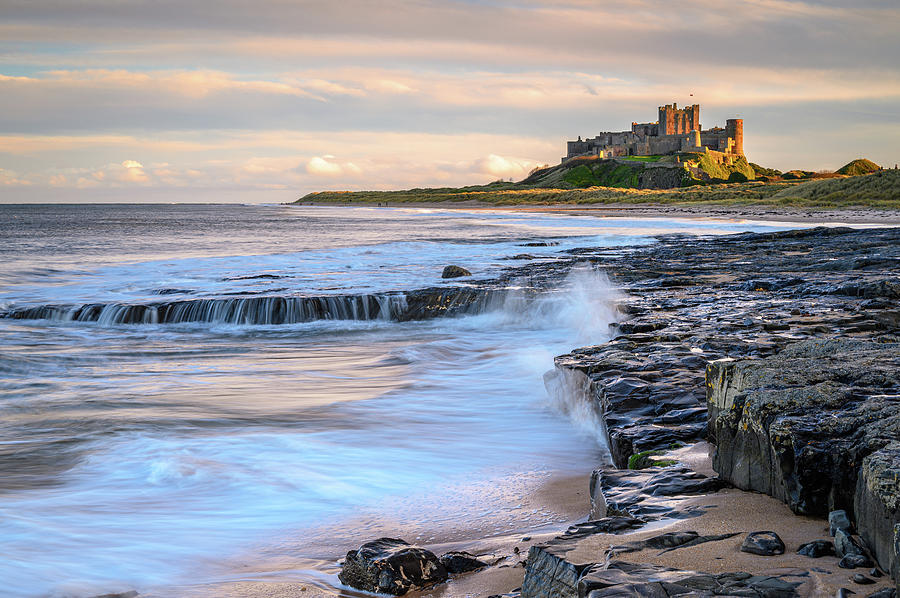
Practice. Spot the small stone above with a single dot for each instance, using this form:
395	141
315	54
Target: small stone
844	592
838	520
454	272
461	562
852	561
876	572
817	549
526	538
763	543
862	579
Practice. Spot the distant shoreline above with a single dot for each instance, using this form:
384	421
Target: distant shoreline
864	193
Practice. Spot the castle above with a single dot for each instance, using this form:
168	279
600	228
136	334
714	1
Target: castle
677	130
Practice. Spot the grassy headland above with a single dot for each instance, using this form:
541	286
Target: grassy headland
605	182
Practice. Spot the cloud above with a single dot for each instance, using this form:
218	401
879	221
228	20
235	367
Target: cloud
327	167
132	164
9	178
504	168
403	99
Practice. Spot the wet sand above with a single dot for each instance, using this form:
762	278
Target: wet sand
727	511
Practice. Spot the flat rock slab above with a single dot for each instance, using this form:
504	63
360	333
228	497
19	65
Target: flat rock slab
650	493
621	579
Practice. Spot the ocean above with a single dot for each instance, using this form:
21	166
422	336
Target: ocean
199	395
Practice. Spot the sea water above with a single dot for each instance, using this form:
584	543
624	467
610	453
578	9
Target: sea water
155	456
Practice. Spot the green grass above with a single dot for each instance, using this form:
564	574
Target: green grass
643	158
581	176
723	172
645	459
858	167
879	190
603	173
762	171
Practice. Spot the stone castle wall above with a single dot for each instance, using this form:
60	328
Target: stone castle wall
677	130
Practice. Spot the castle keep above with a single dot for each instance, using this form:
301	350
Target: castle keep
677	130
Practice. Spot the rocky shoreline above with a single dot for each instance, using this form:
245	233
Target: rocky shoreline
783	350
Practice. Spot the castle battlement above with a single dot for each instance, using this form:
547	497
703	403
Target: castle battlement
676	130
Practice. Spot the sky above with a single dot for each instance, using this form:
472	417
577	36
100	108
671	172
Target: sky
264	101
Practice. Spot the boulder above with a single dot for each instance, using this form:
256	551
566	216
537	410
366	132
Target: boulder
817	549
844	544
838	520
454	272
877	501
853	561
763	544
391	566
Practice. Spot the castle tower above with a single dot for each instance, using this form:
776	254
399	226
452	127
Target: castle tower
673	121
734	128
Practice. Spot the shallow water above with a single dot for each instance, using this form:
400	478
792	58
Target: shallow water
147	456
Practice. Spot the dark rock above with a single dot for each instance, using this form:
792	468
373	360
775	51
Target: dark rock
667	540
844	592
606	525
670	541
621	579
817	549
844	544
647	493
888	288
129	594
838	520
853	561
702	540
763	543
876	572
391	566
876	504
554	567
461	562
454	272
885	593
862	579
